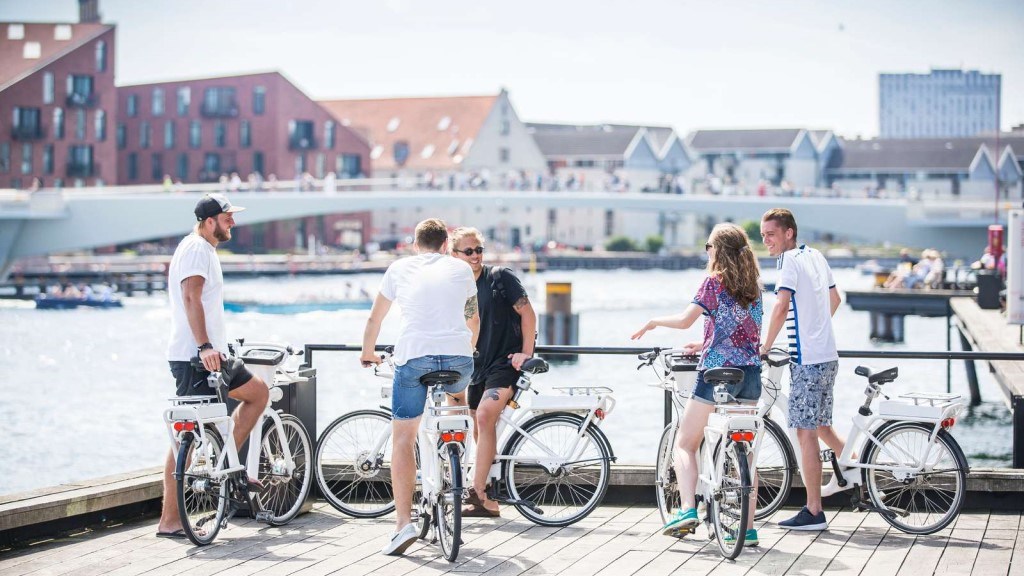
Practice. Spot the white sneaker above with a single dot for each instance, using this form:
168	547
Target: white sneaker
400	541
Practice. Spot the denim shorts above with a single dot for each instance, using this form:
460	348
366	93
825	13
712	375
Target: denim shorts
746	392
810	394
408	396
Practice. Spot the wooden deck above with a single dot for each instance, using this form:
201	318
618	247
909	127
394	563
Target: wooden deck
613	541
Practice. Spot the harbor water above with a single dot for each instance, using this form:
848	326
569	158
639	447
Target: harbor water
83	390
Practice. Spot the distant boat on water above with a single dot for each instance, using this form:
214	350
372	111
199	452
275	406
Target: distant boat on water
44	302
296	307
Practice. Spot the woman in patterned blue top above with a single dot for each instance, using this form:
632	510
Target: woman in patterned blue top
729	298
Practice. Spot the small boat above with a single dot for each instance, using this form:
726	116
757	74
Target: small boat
44	302
296	307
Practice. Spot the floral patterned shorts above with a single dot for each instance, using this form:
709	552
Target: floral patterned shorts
810	394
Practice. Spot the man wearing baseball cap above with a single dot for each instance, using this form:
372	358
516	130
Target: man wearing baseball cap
195	285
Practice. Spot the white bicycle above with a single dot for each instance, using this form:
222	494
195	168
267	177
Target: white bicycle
554	465
211	482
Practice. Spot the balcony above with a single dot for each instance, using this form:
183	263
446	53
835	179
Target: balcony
301	143
219	110
82	170
28	132
80	100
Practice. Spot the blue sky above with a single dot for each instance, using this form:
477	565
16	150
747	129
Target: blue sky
686	63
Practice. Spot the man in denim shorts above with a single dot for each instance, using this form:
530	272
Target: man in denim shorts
807	300
440	323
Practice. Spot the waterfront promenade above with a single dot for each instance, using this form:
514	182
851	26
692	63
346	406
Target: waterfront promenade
614	541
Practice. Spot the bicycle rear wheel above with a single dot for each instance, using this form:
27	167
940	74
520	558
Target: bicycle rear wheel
925	502
202	499
448	509
352	479
666	488
284	494
775	465
730	511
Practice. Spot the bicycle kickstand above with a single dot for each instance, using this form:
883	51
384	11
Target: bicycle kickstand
858	502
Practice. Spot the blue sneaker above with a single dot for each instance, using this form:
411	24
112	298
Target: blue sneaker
683	521
804	520
749	540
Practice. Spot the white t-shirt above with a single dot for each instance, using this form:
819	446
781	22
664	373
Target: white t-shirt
431	289
194	256
806	274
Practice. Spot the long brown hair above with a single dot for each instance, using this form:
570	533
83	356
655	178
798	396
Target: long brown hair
734	264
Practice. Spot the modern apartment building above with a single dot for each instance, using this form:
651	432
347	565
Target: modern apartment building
940	104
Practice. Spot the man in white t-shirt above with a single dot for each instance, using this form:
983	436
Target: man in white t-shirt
440	323
195	286
806	300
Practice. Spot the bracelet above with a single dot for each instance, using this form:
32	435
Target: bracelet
205	346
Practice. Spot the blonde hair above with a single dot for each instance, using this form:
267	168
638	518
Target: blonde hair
734	264
464	232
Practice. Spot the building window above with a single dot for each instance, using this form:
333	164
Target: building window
349	165
80	162
133	105
144	134
158	102
26	158
609	222
321	165
184	99
58	123
169	134
329	135
48	159
26	124
15	31
300	165
211	165
506	127
48	88
503	155
257	162
183	166
401	151
300	135
245	134
259	100
219	102
101	125
80	124
80	90
32	50
195	134
101	56
5	157
220	134
62	32
157	167
122	136
133	166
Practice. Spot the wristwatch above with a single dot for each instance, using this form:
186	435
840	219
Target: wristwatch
205	346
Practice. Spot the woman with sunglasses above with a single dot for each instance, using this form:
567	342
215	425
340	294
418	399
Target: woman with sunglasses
729	298
506	315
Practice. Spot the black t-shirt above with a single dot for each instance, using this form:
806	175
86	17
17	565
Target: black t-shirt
501	332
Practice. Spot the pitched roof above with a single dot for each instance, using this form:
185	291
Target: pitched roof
13	64
769	139
439	131
561	140
937	154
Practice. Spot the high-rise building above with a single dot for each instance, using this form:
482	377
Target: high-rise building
940	104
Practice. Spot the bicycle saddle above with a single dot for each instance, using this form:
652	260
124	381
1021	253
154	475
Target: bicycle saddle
440	377
535	366
723	375
883	377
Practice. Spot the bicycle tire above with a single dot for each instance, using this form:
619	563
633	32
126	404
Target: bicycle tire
587	478
339	453
775	465
730	510
448	508
892	493
284	494
666	486
202	501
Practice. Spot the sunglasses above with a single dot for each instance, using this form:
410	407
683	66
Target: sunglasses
707	247
471	251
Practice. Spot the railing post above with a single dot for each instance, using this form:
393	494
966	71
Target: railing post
1018	431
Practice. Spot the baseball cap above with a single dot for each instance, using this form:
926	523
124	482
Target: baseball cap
214	204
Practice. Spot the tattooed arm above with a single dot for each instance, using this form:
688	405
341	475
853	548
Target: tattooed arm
472	314
528	323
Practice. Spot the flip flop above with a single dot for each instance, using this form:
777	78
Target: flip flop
472	498
474	511
179	533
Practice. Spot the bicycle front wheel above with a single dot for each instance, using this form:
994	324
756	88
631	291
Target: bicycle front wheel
562	489
775	465
354	477
202	499
923	502
284	493
448	509
666	488
730	510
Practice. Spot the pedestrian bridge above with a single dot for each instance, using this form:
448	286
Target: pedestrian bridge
50	221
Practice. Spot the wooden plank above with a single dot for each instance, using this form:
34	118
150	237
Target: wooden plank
825	547
961	551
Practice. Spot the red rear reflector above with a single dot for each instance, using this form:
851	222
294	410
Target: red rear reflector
742	436
599	413
447	436
948	423
460	436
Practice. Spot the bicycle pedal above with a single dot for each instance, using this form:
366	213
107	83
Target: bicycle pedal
264	516
827	455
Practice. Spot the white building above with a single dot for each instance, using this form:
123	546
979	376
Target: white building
743	160
940	104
